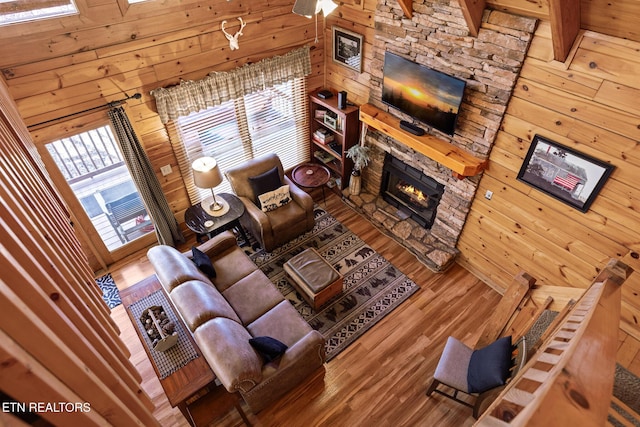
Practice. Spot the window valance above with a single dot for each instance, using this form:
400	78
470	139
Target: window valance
220	86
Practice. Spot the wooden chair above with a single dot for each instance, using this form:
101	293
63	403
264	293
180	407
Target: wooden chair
453	365
453	368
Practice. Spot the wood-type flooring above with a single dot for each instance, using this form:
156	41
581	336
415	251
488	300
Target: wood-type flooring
380	379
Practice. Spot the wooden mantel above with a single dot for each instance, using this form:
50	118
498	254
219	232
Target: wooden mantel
461	162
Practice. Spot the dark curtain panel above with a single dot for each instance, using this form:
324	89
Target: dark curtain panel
166	226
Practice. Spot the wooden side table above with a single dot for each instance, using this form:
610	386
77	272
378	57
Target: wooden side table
311	175
203	224
191	388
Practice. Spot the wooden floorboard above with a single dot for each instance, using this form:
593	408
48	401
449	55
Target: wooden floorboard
380	379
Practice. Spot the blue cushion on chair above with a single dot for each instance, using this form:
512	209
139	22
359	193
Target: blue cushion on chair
489	366
265	182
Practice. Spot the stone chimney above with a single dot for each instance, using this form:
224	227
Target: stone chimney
437	37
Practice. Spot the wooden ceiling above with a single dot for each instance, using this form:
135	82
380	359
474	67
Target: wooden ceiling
567	17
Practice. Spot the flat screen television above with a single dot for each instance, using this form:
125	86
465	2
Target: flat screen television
427	95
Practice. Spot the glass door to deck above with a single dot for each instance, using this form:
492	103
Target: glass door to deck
94	170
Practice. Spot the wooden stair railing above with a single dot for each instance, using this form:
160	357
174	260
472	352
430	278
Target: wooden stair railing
569	380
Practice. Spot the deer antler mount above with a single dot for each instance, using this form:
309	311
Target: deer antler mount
233	40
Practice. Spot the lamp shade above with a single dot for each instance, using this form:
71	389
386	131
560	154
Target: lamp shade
305	7
327	6
206	173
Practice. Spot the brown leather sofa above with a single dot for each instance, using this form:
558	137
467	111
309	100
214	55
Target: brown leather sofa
236	305
274	228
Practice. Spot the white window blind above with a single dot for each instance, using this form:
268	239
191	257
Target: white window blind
273	120
14	11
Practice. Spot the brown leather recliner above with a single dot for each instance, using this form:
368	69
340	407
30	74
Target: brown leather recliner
281	225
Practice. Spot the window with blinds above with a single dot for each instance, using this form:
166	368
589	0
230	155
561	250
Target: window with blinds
14	11
273	120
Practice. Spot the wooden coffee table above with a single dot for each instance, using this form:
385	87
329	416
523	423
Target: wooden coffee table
191	388
311	175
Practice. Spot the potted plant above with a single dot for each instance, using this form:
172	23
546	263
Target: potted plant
360	156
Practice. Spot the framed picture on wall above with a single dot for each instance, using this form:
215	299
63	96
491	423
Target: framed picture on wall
347	48
566	174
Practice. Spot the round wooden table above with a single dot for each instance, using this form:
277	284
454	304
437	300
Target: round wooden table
311	175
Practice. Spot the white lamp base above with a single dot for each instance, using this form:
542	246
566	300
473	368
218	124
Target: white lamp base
223	206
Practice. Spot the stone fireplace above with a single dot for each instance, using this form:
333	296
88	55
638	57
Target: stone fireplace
437	36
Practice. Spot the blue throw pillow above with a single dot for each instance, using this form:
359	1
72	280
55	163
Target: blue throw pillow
269	348
203	262
265	182
489	366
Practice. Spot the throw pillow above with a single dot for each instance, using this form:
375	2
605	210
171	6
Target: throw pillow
269	348
265	182
489	366
272	200
203	262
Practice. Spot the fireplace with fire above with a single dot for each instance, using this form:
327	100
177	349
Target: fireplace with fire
411	191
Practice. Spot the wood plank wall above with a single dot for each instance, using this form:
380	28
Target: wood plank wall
519	229
588	103
62	66
57	67
357	18
618	19
57	341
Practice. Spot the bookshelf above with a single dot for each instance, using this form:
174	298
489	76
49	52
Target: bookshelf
333	131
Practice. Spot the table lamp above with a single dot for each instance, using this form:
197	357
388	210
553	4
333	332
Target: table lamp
206	174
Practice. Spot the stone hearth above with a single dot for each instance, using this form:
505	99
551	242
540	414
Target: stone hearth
437	37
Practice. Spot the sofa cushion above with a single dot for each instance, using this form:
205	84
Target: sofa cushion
282	322
203	262
173	268
252	296
285	218
199	302
265	182
268	347
225	345
231	266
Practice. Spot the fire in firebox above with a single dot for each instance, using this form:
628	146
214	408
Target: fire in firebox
414	195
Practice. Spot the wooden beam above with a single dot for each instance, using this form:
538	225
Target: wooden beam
509	303
407	7
565	26
461	162
472	11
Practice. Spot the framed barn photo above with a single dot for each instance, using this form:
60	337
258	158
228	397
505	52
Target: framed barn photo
347	48
563	173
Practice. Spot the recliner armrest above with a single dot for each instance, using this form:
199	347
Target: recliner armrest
257	215
299	195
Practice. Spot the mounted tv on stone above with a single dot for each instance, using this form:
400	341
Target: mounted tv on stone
427	95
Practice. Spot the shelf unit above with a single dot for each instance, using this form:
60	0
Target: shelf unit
461	162
342	125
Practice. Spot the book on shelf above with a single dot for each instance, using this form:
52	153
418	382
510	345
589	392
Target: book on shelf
323	156
323	136
336	148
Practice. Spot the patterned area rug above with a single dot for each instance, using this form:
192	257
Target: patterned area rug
110	293
373	287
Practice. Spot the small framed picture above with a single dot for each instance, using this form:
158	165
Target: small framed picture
563	173
347	48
